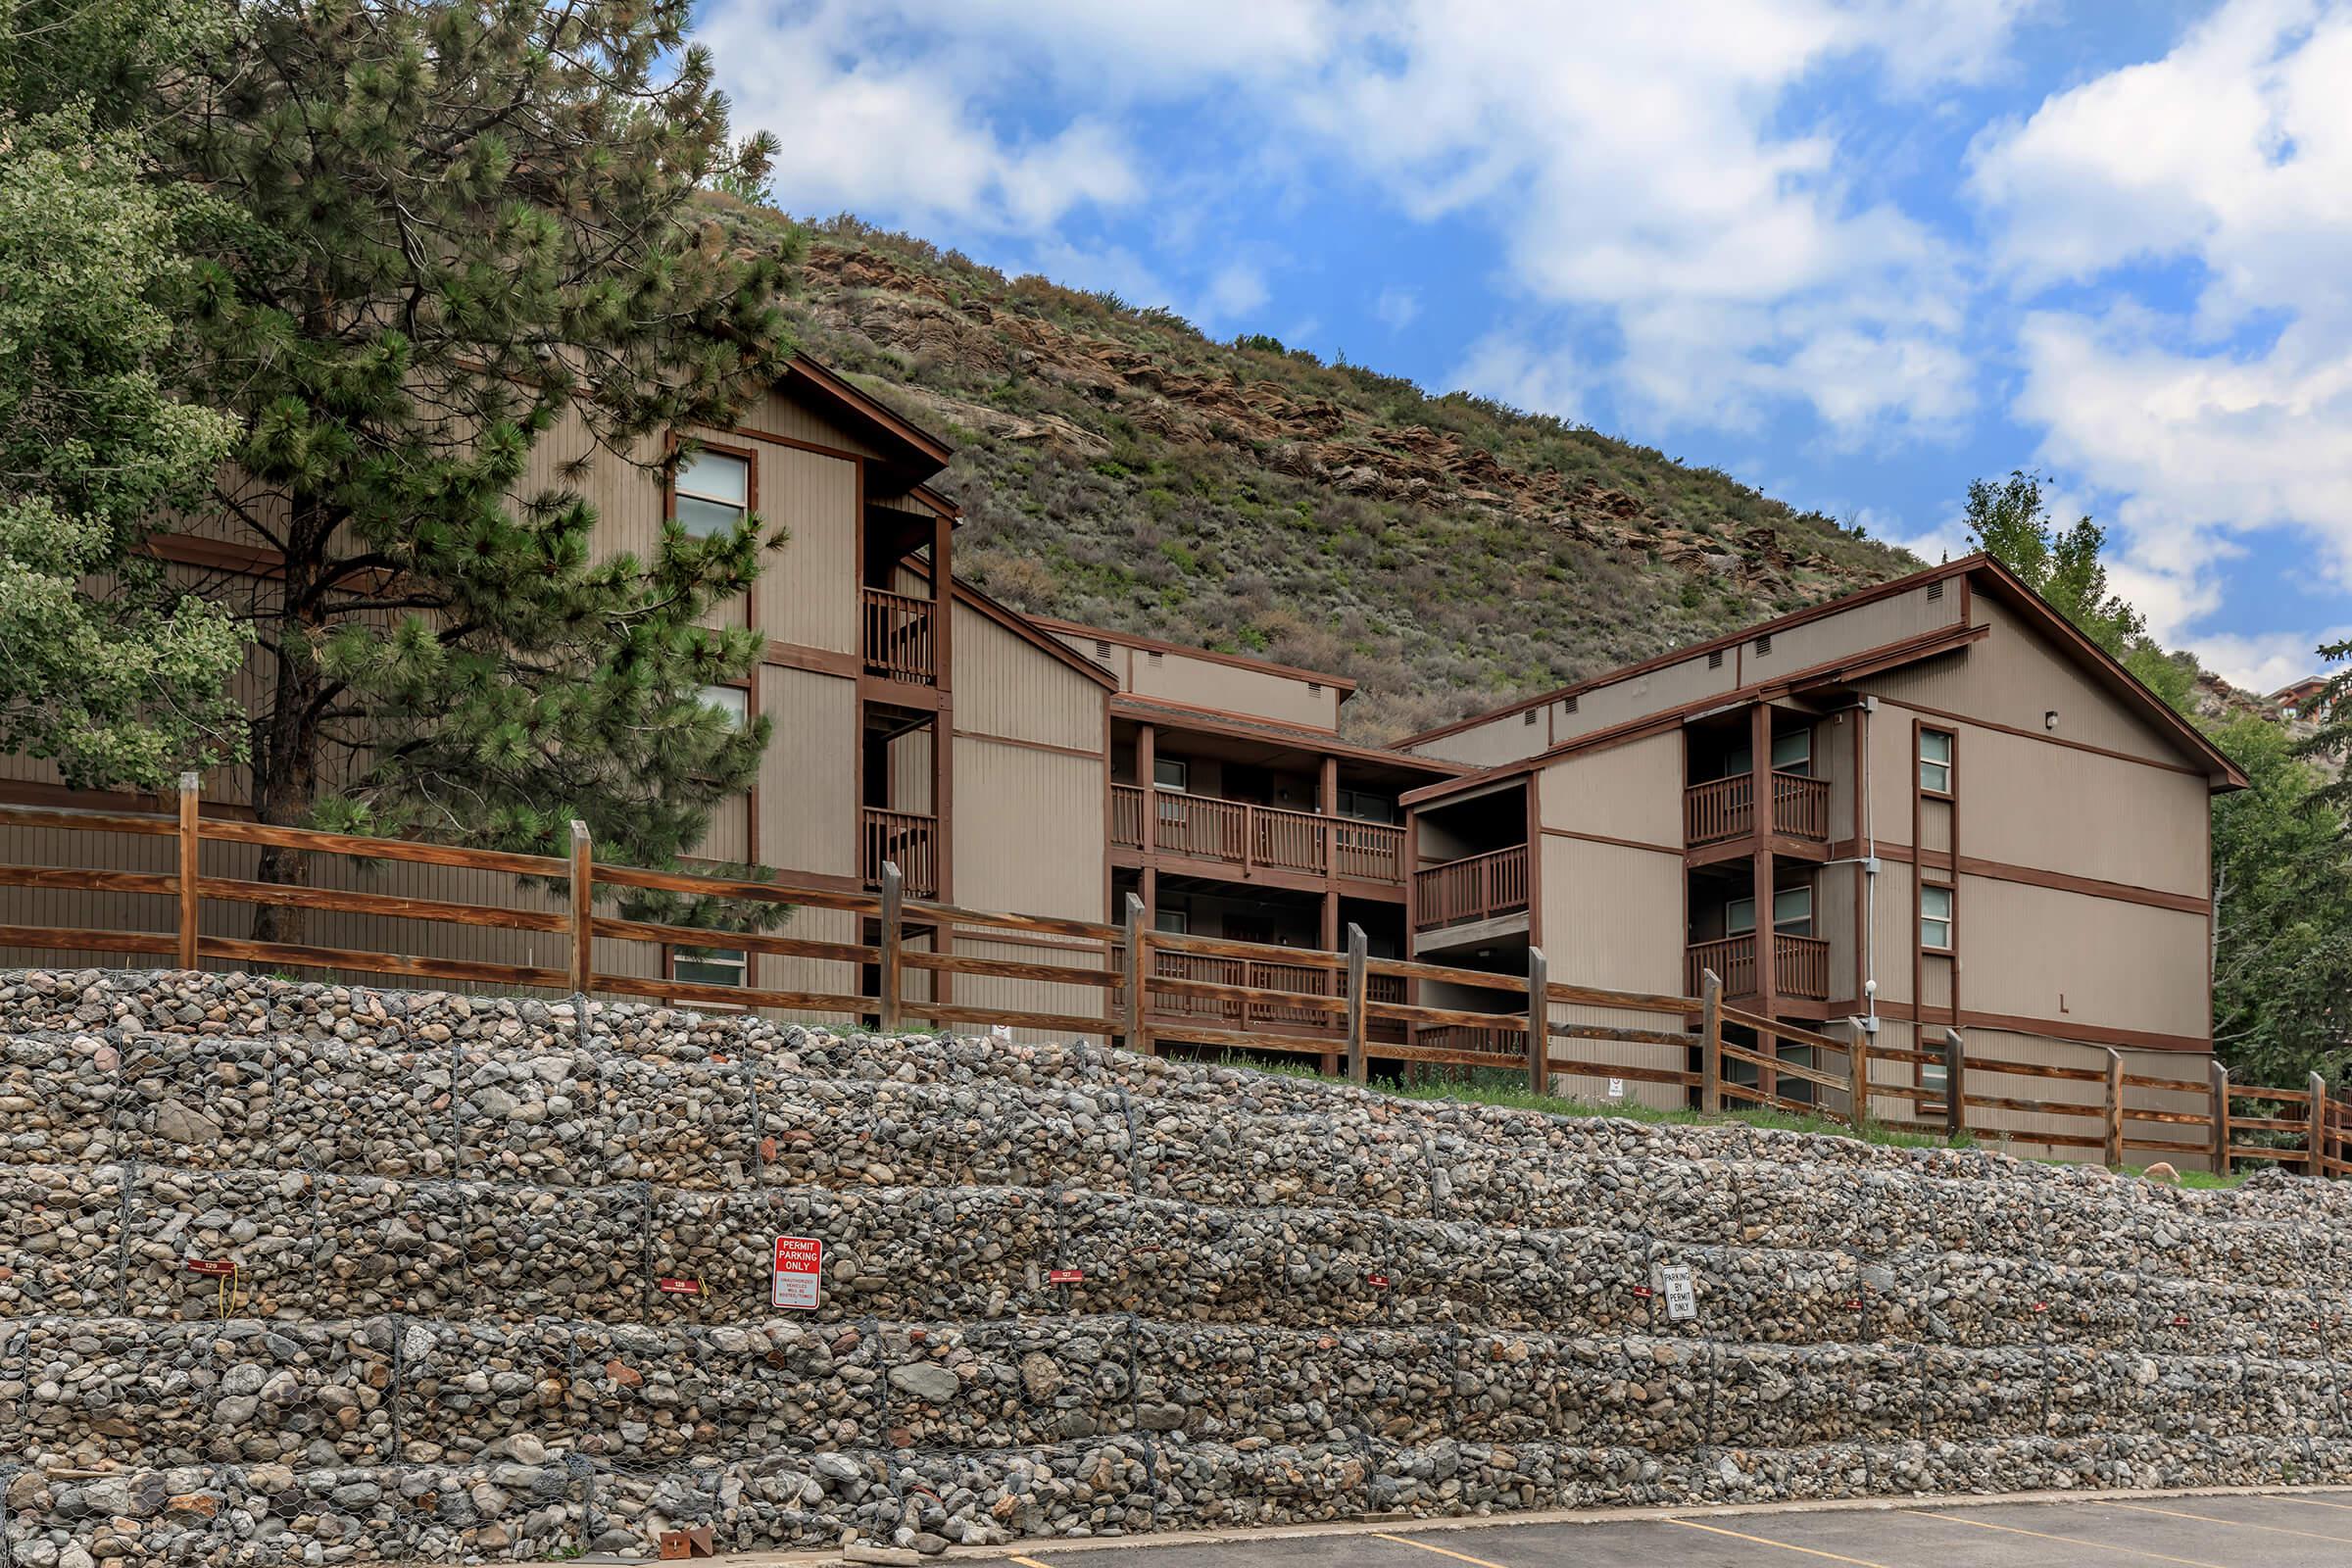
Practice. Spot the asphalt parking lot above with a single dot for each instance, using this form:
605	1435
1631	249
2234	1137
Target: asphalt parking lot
2297	1530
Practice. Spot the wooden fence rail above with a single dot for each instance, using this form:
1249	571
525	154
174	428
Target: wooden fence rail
1361	1008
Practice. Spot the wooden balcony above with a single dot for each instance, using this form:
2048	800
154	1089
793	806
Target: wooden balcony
897	637
906	838
1275	1017
1201	827
1724	809
1479	886
1801	965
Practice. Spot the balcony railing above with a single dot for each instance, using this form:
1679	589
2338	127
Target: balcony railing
1201	827
897	637
910	839
1724	809
1801	965
1477	888
1307	979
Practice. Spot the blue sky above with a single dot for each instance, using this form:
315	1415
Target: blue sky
1855	252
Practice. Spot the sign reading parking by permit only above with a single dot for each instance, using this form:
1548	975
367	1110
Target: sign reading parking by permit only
1674	1283
800	1261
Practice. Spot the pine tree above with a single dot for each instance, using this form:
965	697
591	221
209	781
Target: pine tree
454	223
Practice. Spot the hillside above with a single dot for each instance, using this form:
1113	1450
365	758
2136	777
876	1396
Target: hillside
1119	467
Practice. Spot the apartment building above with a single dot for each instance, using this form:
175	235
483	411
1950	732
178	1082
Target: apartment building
1930	805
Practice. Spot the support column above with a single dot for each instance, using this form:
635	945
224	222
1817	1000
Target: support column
1761	814
1145	753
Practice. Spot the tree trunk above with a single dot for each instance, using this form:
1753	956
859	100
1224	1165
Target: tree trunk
285	749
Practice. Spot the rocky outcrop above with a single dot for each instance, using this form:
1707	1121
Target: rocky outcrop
502	1289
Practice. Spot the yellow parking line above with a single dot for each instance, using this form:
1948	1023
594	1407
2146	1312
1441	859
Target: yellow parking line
1028	1562
2216	1519
1762	1540
2071	1541
1457	1556
2315	1503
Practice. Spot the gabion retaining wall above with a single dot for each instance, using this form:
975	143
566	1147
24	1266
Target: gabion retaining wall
445	1337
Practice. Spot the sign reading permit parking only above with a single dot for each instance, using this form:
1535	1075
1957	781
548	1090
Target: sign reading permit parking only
800	1261
1674	1282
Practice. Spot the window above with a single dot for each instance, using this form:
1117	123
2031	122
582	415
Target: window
1174	921
1792	753
1935	761
1366	807
1935	918
707	966
1792	913
712	493
733	701
1168	773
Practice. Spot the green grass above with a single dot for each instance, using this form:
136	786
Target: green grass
1495	1088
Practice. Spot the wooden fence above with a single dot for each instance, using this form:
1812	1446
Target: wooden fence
1366	1008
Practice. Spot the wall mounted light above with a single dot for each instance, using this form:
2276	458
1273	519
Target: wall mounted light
2049	718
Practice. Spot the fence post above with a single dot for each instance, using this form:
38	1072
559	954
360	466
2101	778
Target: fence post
1955	1086
1538	1022
1857	1079
1357	984
584	920
2216	1077
893	891
1710	1043
2115	1108
189	842
1138	935
2317	1136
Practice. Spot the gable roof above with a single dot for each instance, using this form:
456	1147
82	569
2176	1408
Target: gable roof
1981	570
912	452
1020	625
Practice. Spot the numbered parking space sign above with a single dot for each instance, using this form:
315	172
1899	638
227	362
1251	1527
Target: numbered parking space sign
800	1261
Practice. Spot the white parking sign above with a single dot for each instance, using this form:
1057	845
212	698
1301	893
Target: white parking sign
1682	1301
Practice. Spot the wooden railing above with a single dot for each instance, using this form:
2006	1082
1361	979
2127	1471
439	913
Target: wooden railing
1246	996
1800	805
1724	809
909	839
1731	958
1201	827
1801	965
1478	887
1721	809
897	637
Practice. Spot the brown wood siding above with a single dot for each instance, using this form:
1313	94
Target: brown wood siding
1627	792
809	779
1013	689
1031	837
808	591
2047	954
2014	677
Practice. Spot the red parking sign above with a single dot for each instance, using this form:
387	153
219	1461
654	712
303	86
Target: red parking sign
800	1261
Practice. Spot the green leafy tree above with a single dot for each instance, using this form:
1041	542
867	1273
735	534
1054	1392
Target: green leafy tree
2333	741
2283	915
443	229
128	686
2010	520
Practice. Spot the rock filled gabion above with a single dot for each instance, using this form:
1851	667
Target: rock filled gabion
1065	1291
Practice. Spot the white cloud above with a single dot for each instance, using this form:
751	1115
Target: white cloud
2224	173
2265	663
1396	307
1511	368
1631	159
1236	289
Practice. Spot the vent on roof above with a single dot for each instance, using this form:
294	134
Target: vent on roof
1315	688
1155	656
1528	718
1764	644
1935	589
1568	704
1103	649
1715	660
